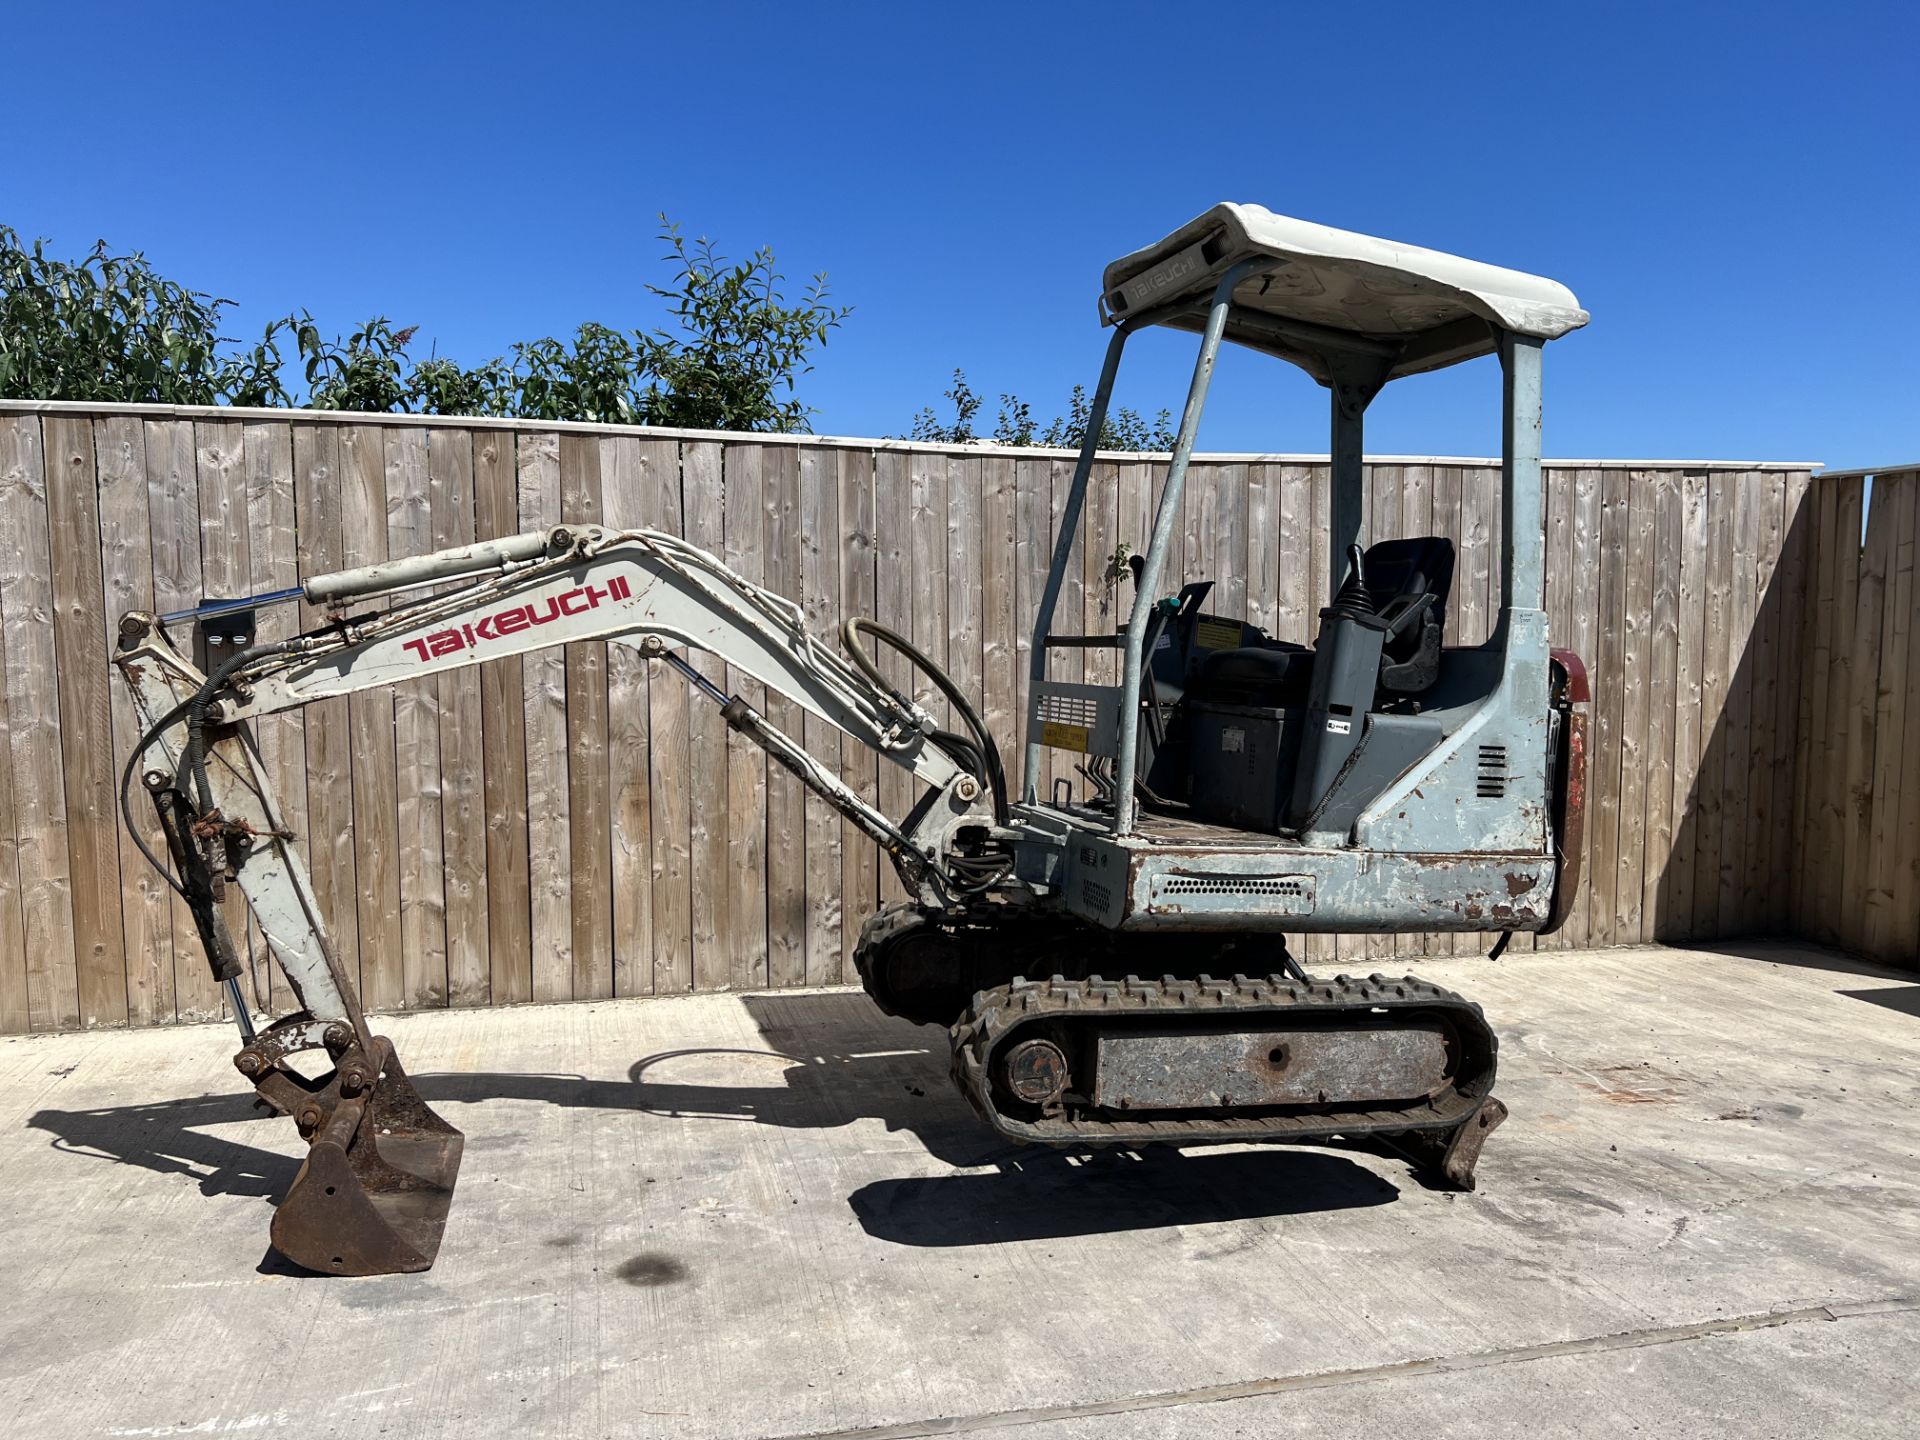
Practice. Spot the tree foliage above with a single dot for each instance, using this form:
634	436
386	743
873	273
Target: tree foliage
110	328
1014	423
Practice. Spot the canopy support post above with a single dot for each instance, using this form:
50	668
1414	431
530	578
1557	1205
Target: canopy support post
1347	480
1147	587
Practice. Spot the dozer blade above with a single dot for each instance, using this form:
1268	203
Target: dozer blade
373	1195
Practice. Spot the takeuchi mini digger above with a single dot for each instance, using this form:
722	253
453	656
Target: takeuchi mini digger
1108	959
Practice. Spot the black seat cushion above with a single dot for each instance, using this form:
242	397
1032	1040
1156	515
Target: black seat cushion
1271	675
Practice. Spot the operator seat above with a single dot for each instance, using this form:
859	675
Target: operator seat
1406	571
1396	575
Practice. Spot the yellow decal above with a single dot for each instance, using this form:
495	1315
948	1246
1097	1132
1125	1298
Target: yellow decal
1213	634
1065	737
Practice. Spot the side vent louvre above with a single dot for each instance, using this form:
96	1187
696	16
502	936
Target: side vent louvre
1492	780
1196	892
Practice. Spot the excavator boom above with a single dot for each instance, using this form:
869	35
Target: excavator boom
373	1195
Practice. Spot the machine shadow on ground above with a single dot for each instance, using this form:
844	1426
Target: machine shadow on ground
831	1060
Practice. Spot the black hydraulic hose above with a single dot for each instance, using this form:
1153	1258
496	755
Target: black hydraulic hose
126	804
850	632
194	762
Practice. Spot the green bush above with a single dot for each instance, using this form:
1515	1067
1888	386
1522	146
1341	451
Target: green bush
112	329
1124	429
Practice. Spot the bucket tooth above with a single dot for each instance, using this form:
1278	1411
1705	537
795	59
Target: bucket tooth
373	1195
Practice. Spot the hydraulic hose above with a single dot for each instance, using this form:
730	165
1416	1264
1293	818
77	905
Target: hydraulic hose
194	761
850	633
126	803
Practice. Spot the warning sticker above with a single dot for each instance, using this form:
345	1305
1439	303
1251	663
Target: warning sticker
1212	634
1064	737
1233	741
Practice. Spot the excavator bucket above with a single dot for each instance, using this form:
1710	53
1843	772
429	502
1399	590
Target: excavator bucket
373	1195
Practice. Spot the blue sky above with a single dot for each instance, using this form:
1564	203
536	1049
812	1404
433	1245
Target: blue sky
1733	190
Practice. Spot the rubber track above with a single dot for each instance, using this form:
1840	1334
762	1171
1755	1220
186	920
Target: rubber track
996	1013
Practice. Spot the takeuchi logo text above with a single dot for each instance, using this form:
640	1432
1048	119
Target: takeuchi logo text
516	618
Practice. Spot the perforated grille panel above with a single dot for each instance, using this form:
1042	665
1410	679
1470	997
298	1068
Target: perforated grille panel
1230	885
1070	716
1257	894
1069	709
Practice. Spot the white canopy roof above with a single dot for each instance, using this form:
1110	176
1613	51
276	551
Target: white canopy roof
1333	292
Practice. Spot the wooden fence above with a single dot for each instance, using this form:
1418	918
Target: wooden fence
1856	880
578	825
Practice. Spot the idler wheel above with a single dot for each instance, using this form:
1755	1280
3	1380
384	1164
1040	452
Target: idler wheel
1035	1071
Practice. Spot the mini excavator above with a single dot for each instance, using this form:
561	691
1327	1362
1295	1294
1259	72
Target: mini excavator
1109	959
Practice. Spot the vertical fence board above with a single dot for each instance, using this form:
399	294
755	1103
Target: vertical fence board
1609	706
746	913
1264	547
34	727
503	721
589	818
1033	553
1903	939
1662	678
819	541
1736	729
1848	556
671	820
376	784
893	607
549	817
1763	661
1636	661
786	855
463	750
1691	725
703	522
16	1010
1863	684
1789	683
629	500
416	747
1816	642
1099	588
126	566
328	725
1893	507
1722	493
86	725
859	859
965	658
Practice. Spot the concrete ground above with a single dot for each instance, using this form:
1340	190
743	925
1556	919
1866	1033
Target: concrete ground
768	1215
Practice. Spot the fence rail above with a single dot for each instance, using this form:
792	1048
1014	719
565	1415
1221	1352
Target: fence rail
576	824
